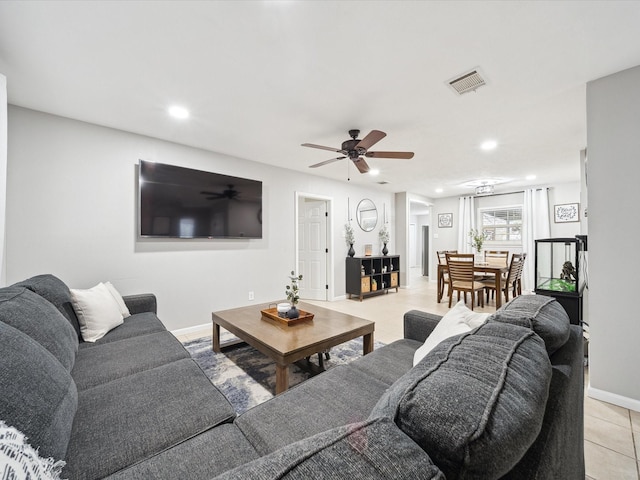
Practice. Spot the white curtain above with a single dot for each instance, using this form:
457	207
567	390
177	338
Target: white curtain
535	225
467	221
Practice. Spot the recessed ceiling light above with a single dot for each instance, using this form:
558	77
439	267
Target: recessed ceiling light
178	112
488	145
439	190
374	171
530	177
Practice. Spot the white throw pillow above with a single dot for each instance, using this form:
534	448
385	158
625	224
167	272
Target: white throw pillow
119	300
20	461
97	311
459	319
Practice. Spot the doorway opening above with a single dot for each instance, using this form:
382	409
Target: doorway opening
419	238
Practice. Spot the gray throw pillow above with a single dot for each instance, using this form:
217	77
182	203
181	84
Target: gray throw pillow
544	315
38	318
39	398
476	402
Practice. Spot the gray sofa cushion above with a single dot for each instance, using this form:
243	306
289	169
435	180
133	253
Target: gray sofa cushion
388	364
38	396
336	397
56	291
475	403
130	419
199	458
544	315
367	450
134	326
104	363
38	318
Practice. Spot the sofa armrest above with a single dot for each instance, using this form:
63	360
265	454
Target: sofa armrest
144	302
419	325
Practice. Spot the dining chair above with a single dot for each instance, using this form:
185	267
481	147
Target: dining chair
512	281
461	278
443	278
518	290
495	257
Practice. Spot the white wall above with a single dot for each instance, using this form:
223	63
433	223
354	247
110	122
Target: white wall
3	176
613	123
71	211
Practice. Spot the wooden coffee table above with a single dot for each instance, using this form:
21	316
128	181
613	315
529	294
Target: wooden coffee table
287	344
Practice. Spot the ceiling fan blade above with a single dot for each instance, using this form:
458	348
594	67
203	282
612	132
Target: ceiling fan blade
326	162
361	165
331	149
374	137
389	154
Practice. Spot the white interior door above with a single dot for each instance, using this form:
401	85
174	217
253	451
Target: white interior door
312	248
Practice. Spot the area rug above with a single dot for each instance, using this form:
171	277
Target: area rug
247	377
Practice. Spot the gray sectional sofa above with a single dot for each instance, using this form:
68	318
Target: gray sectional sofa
502	401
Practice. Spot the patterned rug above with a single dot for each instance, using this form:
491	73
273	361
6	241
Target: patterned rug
247	377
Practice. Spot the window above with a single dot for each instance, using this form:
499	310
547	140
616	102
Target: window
502	224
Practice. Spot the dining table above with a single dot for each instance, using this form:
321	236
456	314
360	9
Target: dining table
496	268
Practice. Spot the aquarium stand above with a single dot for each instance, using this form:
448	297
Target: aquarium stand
571	303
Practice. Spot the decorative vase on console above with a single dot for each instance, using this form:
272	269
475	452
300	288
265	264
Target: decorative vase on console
349	237
293	295
383	234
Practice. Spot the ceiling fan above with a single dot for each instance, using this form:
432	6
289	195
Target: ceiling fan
354	149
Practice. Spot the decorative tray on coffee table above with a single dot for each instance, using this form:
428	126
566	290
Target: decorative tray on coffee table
272	313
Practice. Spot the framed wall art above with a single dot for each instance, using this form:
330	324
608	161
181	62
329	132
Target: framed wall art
445	220
567	212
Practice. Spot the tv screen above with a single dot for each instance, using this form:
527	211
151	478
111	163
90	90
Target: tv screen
178	202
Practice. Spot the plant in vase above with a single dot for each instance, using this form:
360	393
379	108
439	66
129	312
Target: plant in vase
293	295
350	238
383	234
477	239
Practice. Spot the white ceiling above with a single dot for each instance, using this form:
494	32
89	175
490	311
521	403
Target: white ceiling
260	78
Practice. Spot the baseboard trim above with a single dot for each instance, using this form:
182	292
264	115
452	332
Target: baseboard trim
613	398
188	330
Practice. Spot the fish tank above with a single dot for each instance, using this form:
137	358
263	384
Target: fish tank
558	266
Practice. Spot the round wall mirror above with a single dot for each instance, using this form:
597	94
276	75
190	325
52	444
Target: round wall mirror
367	215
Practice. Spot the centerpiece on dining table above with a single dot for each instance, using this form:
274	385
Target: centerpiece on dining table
477	239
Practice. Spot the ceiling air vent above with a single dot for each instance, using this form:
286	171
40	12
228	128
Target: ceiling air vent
468	82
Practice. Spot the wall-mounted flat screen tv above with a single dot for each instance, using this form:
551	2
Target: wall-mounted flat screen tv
178	202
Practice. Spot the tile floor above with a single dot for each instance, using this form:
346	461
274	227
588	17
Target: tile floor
612	433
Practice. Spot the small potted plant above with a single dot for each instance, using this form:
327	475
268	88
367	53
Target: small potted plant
477	239
350	238
383	234
293	295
